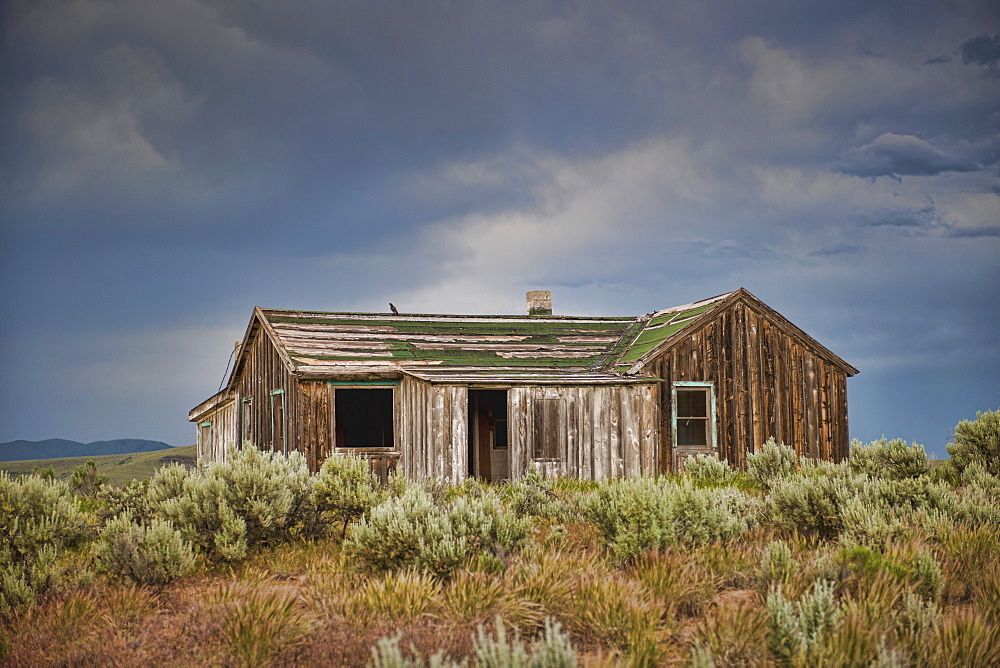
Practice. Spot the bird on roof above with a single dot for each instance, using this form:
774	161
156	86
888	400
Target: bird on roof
393	308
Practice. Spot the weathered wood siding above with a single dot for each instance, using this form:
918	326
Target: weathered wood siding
587	432
263	373
314	433
213	439
431	430
767	383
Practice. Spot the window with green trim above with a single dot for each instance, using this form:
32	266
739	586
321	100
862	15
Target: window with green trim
246	421
205	429
694	415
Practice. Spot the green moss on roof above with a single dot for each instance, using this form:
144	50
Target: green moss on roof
658	330
482	341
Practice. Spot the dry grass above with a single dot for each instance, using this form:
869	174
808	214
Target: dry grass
307	604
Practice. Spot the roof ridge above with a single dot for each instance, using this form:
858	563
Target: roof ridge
358	315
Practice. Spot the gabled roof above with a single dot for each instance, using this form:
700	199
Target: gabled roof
469	349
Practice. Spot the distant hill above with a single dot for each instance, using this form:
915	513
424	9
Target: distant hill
119	468
59	448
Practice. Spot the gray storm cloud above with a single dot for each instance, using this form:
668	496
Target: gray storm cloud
167	166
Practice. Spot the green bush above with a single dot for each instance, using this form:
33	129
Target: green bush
412	530
796	630
152	555
346	490
639	514
255	498
889	459
811	503
40	520
535	496
85	479
132	498
777	566
708	469
772	463
977	441
501	649
551	650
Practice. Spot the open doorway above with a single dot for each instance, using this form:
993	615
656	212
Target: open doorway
489	456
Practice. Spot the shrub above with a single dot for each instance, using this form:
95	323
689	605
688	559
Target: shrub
708	469
977	441
132	498
254	498
772	463
154	554
777	566
797	629
534	495
639	514
498	650
927	573
889	459
414	531
552	650
387	654
346	490
810	503
39	521
85	479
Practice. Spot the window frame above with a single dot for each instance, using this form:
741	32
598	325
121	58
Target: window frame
206	429
712	445
246	422
392	385
279	395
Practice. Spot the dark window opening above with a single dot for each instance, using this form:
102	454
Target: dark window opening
363	418
693	416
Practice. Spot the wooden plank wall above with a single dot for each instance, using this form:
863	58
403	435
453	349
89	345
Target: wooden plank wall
314	432
604	431
263	373
223	433
432	430
767	384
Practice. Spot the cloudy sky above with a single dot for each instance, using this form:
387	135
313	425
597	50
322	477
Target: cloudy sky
166	166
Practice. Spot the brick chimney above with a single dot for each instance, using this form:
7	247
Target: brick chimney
539	302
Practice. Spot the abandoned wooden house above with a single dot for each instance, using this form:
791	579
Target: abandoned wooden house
451	396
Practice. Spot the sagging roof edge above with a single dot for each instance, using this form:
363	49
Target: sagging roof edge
756	304
213	403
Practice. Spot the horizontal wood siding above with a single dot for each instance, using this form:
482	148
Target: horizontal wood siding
767	383
600	432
